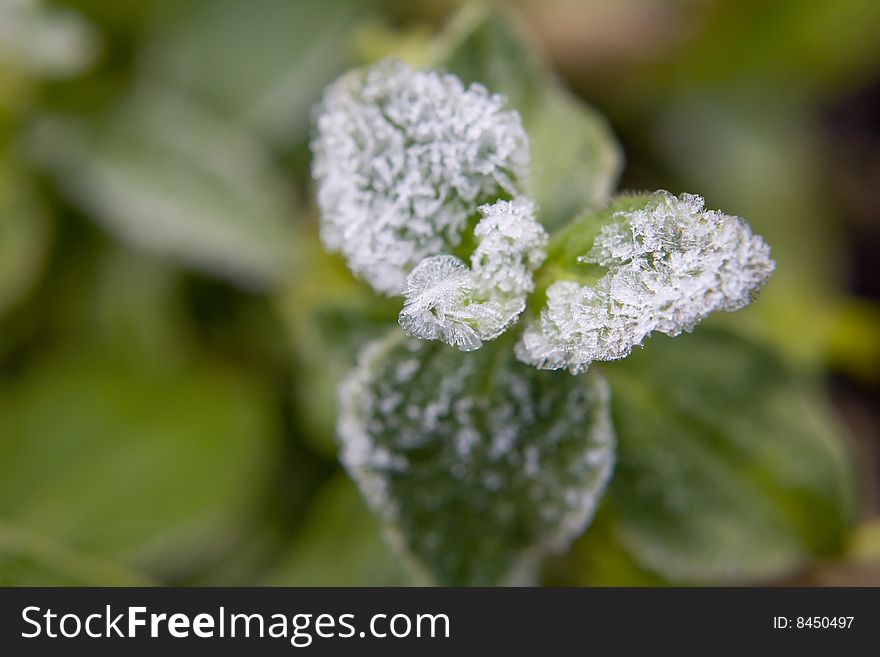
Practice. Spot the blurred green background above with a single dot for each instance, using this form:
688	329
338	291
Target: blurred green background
169	328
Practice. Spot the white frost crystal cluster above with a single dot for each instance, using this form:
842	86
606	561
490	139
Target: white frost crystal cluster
402	159
406	161
670	264
446	300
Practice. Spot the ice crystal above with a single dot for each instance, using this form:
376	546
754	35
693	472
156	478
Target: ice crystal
670	264
446	300
439	305
510	246
402	159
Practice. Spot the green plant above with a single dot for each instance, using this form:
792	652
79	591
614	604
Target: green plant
492	216
173	333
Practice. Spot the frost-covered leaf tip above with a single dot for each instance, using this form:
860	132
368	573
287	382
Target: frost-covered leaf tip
402	160
670	263
446	300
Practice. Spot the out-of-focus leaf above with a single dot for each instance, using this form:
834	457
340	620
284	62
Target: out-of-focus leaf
729	469
865	543
801	44
339	544
166	176
859	565
575	158
28	560
598	558
329	316
155	466
264	66
24	234
131	305
487	46
753	157
854	342
479	465
37	40
377	39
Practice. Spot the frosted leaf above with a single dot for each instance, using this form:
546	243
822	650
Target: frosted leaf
461	306
511	244
478	465
403	159
438	291
669	265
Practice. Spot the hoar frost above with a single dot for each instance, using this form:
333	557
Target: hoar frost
406	161
479	465
446	300
402	159
670	264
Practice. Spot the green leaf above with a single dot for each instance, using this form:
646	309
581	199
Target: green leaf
805	45
24	237
478	464
29	560
339	544
292	50
328	315
597	558
574	240
865	543
489	47
39	41
166	176
575	159
766	166
730	468
154	465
